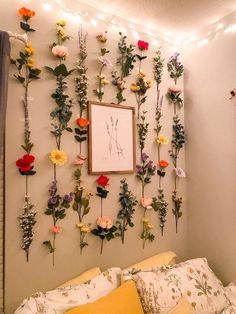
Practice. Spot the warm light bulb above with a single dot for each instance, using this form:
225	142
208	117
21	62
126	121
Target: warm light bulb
46	6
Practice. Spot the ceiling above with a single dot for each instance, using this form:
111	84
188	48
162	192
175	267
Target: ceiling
180	17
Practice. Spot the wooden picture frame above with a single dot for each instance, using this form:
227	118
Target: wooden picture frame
111	138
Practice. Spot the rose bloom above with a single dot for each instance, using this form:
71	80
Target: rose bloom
180	172
56	229
146	202
143	45
103	181
60	51
24	163
175	89
26	13
105	222
82	122
79	162
163	163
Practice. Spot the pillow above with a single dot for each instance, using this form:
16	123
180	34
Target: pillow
183	307
165	258
124	299
160	289
85	276
65	298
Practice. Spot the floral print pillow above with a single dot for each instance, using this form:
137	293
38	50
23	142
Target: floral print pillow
62	299
161	288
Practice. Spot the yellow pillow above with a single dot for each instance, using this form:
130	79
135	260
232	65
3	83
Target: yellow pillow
183	307
124	299
165	258
87	275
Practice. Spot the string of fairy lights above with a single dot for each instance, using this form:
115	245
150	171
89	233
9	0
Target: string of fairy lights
97	17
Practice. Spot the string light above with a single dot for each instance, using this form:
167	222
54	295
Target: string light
133	27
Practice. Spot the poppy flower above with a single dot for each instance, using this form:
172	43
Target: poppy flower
163	163
82	122
26	13
24	163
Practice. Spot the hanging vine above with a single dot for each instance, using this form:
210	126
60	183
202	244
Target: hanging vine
81	203
125	61
158	64
61	116
176	69
26	74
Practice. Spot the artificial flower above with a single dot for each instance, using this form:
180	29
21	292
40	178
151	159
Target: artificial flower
146	202
89	194
29	49
163	140
121	84
141	74
58	157
104	81
24	163
102	38
82	122
68	197
56	229
30	63
175	89
105	222
149	83
103	181
150	226
163	163
105	62
80	225
78	162
26	13
144	220
134	87
85	228
60	51
61	23
143	45
180	172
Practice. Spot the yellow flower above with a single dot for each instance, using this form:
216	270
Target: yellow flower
29	49
145	220
61	23
85	229
80	225
141	74
162	139
134	87
89	194
30	63
58	157
149	83
150	226
104	82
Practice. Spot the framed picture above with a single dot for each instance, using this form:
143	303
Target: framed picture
111	138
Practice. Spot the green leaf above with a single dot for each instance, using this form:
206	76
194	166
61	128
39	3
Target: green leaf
69	130
48	244
21	79
49	69
25	26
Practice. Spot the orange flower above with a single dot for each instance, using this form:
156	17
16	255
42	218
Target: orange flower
82	122
163	163
26	13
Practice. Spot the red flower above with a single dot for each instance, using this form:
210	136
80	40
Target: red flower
24	163
82	122
103	181
163	163
143	45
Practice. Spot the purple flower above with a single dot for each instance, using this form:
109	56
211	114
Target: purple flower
68	197
144	157
174	56
53	188
140	169
52	200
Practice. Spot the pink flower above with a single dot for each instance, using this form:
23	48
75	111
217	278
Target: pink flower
105	222
175	89
56	229
180	172
146	202
60	51
121	84
106	62
82	157
78	162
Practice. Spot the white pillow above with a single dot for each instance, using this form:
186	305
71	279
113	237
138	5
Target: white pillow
62	299
161	288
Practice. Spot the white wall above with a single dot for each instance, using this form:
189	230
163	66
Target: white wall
22	279
210	119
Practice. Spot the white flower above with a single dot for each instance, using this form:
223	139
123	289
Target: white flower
106	62
180	172
60	51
